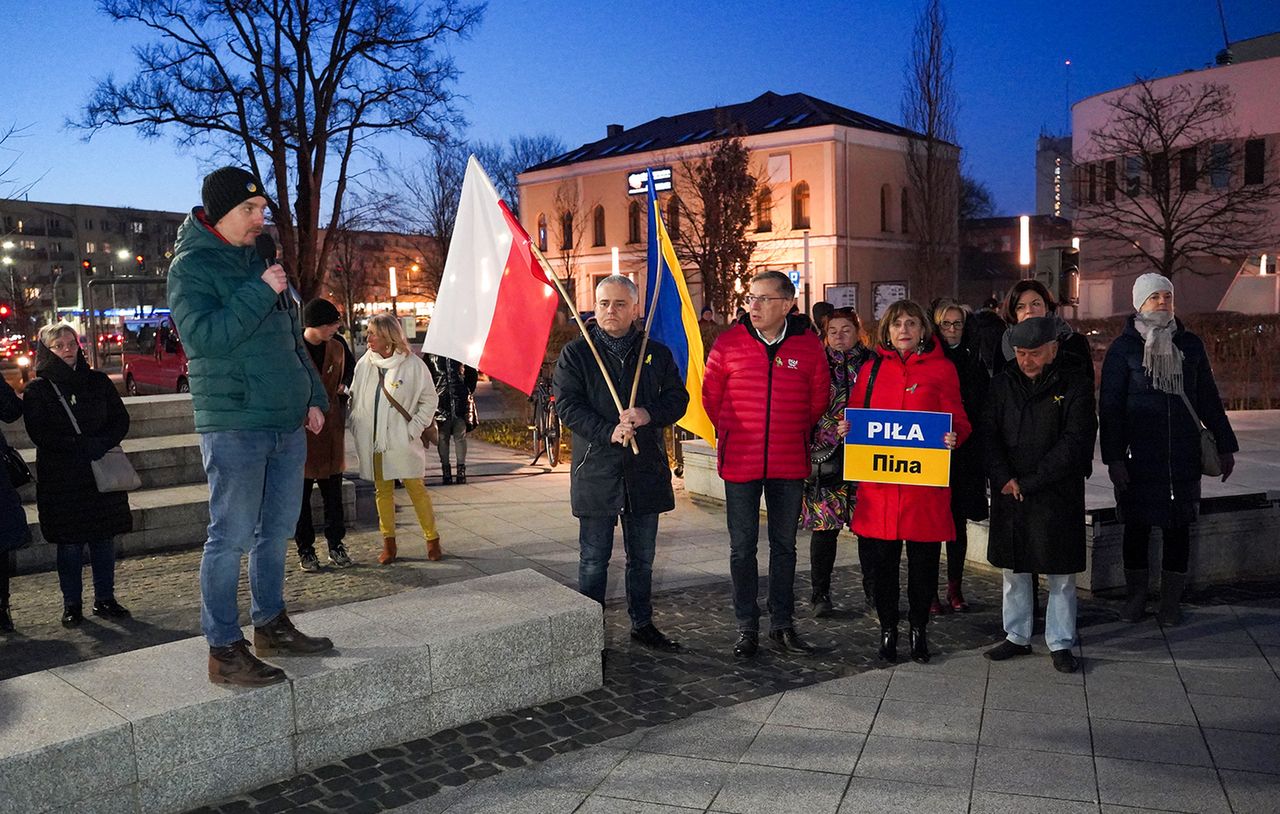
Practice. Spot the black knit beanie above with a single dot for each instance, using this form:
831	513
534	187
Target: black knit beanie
227	188
320	312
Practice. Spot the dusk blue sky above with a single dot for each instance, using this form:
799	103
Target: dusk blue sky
571	67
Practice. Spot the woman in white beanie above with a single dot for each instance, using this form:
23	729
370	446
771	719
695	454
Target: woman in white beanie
1151	441
392	400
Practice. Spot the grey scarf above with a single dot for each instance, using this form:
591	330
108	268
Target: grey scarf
1161	359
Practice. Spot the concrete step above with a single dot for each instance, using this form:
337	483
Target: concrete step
162	462
164	519
149	417
145	732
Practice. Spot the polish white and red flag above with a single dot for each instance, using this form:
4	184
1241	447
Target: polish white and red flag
495	305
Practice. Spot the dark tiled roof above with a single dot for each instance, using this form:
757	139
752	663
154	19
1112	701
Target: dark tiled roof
767	113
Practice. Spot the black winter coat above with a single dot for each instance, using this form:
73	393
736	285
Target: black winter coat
1040	432
455	387
14	532
968	475
1154	434
72	510
608	479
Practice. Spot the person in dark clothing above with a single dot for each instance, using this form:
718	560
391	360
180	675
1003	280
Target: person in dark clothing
14	533
455	412
73	513
1029	298
988	329
968	485
326	455
1039	427
1150	441
607	479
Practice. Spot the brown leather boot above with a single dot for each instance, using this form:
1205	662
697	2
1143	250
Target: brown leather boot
388	554
433	549
280	636
235	665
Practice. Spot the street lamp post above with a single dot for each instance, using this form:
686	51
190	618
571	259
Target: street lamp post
392	274
1024	245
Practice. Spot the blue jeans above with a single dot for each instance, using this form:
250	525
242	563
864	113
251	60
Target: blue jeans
255	493
595	547
102	559
1059	615
742	510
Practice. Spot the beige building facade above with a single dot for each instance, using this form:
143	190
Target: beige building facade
833	214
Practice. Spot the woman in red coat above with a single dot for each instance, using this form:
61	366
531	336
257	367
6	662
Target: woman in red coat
914	374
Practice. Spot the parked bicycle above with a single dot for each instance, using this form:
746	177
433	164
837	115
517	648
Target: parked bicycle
545	422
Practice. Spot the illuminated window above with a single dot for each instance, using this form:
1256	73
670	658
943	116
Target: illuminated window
800	206
542	233
764	211
597	226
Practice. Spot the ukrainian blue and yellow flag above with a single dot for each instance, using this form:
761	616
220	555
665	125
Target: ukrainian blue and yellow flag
672	320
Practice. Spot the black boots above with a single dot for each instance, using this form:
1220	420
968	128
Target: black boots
1171	586
448	474
919	646
462	473
1135	606
889	644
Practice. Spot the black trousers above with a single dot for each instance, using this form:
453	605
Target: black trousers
335	524
922	580
956	550
1174	556
822	558
6	569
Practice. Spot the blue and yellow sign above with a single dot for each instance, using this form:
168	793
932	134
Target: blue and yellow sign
897	446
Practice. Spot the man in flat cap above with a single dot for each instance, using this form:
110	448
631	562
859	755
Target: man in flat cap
253	389
1040	425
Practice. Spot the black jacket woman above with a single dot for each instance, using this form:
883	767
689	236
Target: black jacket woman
73	513
968	477
14	533
1029	298
1151	443
455	412
827	505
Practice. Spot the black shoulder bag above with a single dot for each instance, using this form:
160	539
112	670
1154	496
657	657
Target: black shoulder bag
827	464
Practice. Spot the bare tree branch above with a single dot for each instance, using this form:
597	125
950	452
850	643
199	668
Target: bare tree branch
1179	189
289	87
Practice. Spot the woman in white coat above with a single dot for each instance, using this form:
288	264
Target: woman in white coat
393	399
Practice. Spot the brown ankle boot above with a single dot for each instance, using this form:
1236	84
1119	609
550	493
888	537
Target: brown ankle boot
433	549
279	636
388	551
235	665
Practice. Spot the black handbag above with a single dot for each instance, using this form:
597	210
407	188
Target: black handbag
827	462
19	473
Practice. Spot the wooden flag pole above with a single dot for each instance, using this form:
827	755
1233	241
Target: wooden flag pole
648	321
582	326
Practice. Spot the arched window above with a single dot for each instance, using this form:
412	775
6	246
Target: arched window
884	208
673	217
764	211
597	226
633	222
566	231
542	232
800	206
904	222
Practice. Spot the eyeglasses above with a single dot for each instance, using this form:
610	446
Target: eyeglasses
951	325
750	298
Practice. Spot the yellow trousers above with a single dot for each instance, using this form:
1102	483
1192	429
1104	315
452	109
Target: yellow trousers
385	500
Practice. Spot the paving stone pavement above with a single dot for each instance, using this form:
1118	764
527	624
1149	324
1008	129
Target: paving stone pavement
660	719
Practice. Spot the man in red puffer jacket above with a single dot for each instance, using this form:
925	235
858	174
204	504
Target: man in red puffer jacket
766	386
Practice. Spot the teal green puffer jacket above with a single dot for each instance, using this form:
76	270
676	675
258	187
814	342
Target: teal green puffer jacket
249	369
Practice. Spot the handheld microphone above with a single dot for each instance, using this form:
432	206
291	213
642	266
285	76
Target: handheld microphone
266	246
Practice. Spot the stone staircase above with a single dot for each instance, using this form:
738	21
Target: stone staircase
171	510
